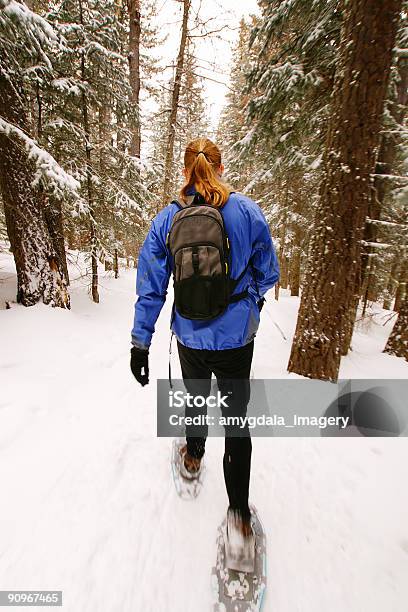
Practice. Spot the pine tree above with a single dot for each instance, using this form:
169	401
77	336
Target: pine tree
29	176
282	186
233	126
112	177
328	302
134	71
386	224
291	80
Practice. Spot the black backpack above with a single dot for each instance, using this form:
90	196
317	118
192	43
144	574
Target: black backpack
200	253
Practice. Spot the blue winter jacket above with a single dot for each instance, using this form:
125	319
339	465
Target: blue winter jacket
250	239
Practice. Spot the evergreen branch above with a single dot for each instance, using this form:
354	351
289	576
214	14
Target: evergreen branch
47	168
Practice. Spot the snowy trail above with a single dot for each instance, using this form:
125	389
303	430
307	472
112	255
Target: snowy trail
88	504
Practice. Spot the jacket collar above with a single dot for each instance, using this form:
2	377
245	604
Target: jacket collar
191	190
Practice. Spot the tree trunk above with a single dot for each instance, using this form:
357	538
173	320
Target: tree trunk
400	294
324	324
392	283
284	276
294	270
294	273
116	263
88	168
54	221
369	280
398	341
134	73
283	263
104	122
168	166
39	274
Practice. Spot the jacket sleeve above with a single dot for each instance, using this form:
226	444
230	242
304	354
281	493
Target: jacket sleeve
153	273
265	266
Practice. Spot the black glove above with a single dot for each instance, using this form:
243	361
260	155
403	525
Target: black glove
260	303
139	362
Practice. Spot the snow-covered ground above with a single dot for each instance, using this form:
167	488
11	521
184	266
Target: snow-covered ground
88	504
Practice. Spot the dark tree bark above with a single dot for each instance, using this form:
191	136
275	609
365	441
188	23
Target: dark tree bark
104	135
134	73
284	277
398	341
369	284
39	273
116	263
392	283
295	258
168	166
283	260
54	220
327	310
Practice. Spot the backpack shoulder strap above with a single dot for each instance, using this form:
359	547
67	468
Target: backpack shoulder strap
198	199
177	203
181	205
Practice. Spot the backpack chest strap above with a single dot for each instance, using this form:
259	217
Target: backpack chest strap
238	296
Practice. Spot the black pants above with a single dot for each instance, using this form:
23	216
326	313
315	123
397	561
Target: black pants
232	368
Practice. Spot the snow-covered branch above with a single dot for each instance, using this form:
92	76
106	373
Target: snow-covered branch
67	86
47	168
93	46
385	223
36	30
377	245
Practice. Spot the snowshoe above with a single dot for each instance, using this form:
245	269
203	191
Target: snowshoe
188	484
238	591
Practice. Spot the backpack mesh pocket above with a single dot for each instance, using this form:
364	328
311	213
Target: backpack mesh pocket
200	297
199	282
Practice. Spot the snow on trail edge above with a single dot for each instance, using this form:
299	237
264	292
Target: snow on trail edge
88	503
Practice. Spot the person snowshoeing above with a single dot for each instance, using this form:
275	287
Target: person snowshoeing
219	292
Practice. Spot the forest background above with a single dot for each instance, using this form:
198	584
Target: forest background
98	99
